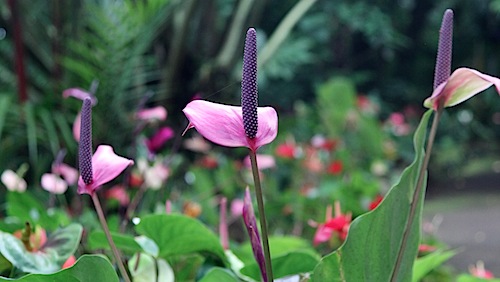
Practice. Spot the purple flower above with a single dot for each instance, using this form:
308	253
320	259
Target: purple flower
253	233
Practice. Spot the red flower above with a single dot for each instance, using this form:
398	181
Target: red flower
335	168
378	199
286	151
338	224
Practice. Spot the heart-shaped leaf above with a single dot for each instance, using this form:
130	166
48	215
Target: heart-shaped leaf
178	234
100	268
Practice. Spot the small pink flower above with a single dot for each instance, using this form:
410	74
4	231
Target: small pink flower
263	161
197	144
479	271
156	142
69	173
223	124
459	87
236	207
53	183
338	224
158	113
13	182
118	193
106	166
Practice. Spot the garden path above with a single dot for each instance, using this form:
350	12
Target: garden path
468	217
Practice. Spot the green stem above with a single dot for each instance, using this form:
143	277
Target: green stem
262	216
416	194
105	227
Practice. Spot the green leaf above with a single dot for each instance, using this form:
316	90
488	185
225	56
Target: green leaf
63	242
178	234
24	207
217	274
145	268
371	249
97	240
278	245
59	247
285	265
429	262
97	265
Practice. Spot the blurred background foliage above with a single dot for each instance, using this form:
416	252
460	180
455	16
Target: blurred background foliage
160	52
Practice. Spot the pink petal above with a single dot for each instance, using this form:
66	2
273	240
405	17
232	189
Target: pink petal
69	173
106	166
13	182
159	139
263	161
223	124
151	114
76	126
462	85
79	94
53	183
323	234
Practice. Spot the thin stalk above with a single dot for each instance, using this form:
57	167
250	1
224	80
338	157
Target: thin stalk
262	215
133	206
105	227
418	188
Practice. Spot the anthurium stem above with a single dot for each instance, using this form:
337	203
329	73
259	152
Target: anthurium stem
105	227
416	194
262	215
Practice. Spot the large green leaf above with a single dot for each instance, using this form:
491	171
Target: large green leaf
371	249
22	207
97	240
178	234
429	262
99	267
217	274
59	247
285	265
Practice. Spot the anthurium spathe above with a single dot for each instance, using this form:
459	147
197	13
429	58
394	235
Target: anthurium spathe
460	86
223	124
106	166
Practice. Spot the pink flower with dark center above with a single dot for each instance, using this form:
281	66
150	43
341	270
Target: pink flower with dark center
246	126
104	165
464	83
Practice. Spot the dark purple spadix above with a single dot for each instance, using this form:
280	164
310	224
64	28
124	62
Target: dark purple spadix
249	85
85	145
443	59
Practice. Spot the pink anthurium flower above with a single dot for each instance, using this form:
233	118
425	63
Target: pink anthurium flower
156	142
106	166
152	114
460	86
223	124
53	183
13	182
